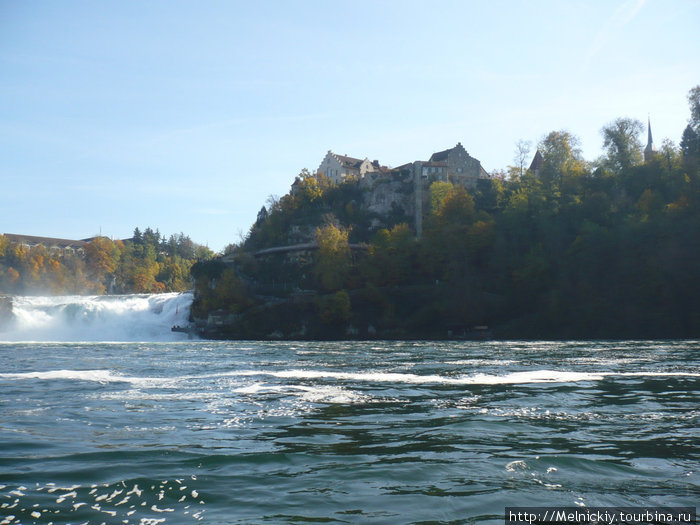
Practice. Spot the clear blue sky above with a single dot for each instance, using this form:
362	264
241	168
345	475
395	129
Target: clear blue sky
185	116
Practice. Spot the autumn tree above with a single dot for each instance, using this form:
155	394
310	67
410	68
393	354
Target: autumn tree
333	256
102	256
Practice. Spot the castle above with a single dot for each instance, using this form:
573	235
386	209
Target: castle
405	186
454	165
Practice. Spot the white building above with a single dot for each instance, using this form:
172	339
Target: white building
341	167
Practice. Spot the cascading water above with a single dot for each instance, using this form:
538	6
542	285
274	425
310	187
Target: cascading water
138	317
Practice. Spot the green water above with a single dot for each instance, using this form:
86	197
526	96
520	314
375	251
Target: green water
342	432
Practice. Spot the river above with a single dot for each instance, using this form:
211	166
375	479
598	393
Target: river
178	431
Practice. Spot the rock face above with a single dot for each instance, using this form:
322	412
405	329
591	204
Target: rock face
387	194
6	314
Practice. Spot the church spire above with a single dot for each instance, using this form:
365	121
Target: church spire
650	150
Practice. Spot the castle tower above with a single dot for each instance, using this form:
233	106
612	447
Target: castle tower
650	150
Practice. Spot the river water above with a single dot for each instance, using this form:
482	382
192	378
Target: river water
341	432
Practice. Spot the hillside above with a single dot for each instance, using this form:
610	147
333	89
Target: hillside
570	249
145	263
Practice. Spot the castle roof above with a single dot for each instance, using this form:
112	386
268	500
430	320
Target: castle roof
441	156
348	162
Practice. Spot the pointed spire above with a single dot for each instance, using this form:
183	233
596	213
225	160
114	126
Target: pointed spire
650	150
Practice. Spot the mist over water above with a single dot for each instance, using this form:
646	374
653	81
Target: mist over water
136	317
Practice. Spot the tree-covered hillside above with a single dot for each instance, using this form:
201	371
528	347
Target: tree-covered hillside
146	263
607	248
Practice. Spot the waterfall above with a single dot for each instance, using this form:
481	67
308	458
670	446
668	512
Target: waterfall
137	317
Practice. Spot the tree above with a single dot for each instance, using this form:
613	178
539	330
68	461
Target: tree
102	256
333	258
439	193
562	156
262	216
393	255
11	280
622	144
690	143
309	189
690	148
522	153
457	208
694	101
185	247
336	308
151	237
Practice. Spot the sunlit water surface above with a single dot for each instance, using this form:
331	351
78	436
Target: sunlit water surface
342	432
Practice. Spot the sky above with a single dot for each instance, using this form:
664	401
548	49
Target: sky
186	116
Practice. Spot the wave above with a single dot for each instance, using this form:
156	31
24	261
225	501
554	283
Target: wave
99	376
530	376
527	377
136	317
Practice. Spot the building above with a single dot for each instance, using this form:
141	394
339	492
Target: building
650	150
341	167
459	167
407	186
454	165
53	245
537	163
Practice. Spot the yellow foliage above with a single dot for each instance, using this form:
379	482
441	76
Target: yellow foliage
333	258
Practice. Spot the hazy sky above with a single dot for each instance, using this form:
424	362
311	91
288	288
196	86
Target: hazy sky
185	116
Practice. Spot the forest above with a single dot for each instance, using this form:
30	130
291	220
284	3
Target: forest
607	248
146	263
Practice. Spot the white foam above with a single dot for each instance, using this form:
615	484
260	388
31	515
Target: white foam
530	376
311	394
100	376
655	374
525	377
136	317
516	465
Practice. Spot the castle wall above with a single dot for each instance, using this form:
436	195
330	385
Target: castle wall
462	168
